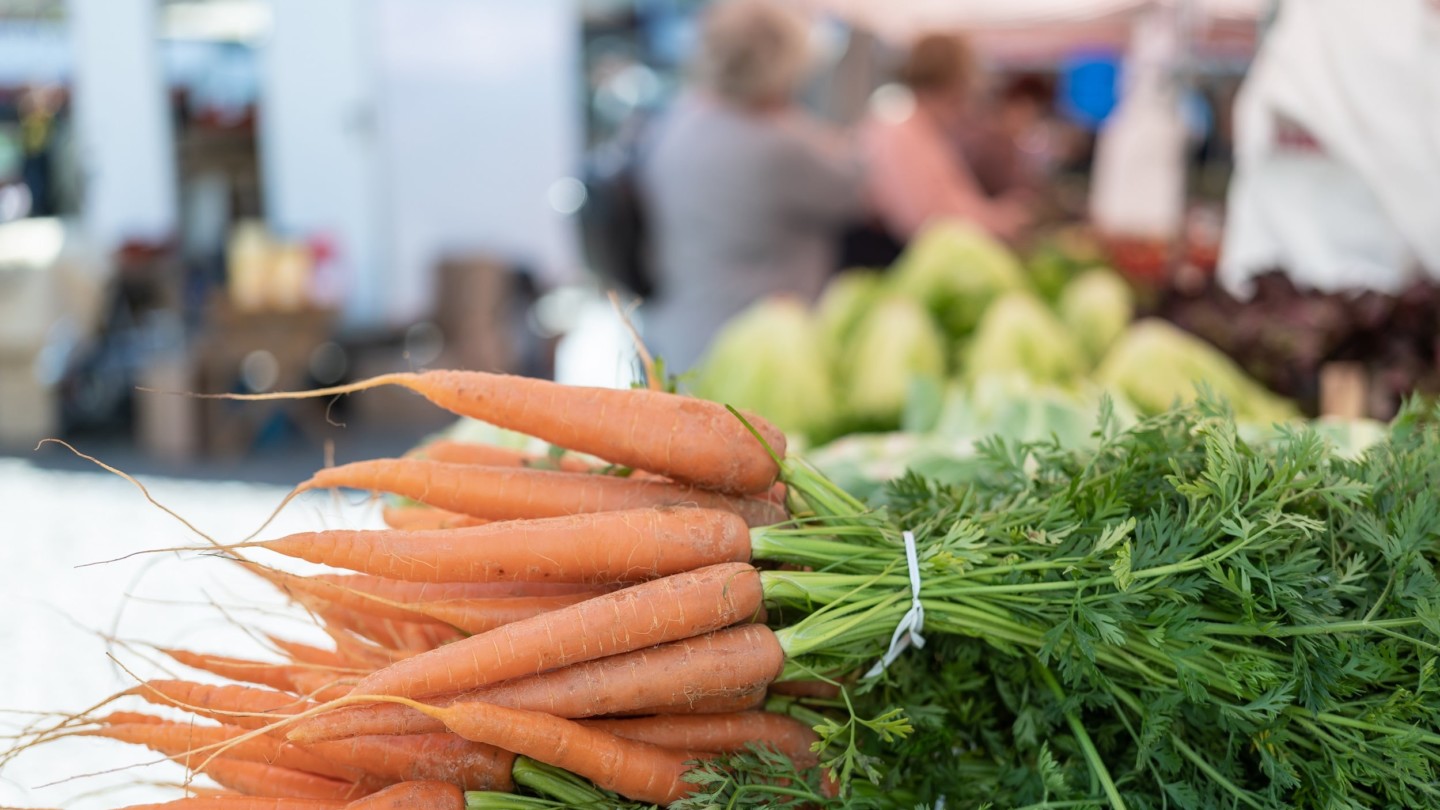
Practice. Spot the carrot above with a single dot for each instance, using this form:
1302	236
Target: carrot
503	493
236	802
244	706
457	452
275	676
635	770
403	796
718	733
470	614
399	590
425	517
123	718
667	609
608	547
722	671
480	615
363	654
689	440
260	779
825	690
416	795
443	757
322	686
306	653
180	741
402	638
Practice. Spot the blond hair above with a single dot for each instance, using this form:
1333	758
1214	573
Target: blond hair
752	52
940	62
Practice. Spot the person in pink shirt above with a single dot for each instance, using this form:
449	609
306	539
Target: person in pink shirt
916	172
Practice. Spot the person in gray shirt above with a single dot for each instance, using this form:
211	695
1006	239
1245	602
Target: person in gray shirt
745	194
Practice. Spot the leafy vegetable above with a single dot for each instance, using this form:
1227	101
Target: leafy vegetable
844	303
1097	306
771	360
956	270
1155	365
894	344
1019	334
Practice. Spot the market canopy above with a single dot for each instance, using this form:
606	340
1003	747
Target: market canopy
1038	28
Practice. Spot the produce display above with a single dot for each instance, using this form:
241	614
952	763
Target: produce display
667	608
1283	335
959	308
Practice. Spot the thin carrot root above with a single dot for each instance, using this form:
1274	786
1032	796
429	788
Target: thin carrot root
187	744
425	517
686	439
598	549
510	493
466	613
261	779
458	452
245	706
275	676
238	802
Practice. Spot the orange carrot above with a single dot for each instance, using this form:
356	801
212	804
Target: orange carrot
403	796
399	590
244	706
603	548
718	733
734	665
470	614
425	517
806	689
505	493
635	770
667	609
260	779
306	653
416	795
402	638
443	757
686	439
275	676
180	741
321	686
456	452
123	718
237	802
480	615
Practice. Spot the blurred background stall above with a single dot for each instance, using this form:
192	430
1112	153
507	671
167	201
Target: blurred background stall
248	195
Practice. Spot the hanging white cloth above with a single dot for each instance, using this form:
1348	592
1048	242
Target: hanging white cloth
1337	176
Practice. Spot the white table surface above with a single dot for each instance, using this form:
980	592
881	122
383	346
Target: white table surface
53	614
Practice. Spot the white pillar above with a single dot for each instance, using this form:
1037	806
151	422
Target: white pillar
480	131
127	150
317	153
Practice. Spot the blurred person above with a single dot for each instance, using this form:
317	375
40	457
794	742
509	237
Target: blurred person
744	194
917	171
1003	141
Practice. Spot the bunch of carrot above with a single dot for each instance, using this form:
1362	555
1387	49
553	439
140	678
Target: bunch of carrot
603	618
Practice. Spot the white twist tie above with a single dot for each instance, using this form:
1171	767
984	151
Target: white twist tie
907	633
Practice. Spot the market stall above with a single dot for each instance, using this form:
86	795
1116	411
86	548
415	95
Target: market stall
1049	520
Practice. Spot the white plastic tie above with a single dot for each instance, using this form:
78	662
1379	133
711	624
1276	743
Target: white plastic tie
907	633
